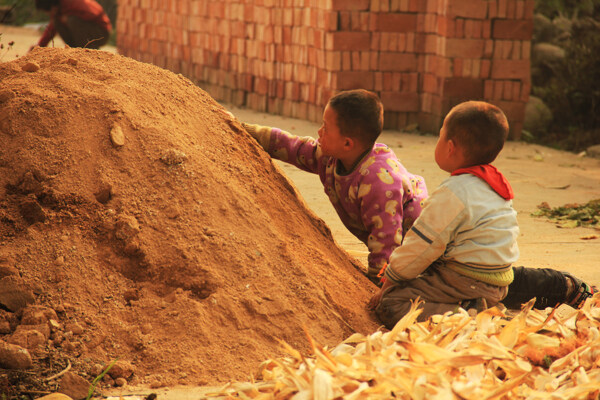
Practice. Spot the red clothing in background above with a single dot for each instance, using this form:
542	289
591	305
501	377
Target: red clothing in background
87	10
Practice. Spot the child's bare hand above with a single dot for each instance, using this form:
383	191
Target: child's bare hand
376	299
374	302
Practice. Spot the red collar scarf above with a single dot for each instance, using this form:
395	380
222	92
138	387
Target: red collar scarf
491	176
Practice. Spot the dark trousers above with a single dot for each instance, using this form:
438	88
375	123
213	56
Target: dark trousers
547	285
80	33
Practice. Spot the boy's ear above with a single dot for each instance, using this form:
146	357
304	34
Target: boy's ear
452	149
349	143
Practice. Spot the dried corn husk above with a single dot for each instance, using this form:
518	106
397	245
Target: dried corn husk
533	355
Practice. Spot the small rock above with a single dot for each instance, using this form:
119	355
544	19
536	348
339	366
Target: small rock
593	151
173	157
6	95
72	61
59	261
55	396
31	340
156	382
131	295
74	327
69	346
31	67
37	315
73	386
147	328
96	370
7	270
14	357
44	329
133	248
14	294
30	184
117	137
121	369
104	194
54	325
4	326
108	380
120	382
126	227
32	211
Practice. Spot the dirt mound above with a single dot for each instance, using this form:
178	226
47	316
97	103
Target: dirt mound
157	230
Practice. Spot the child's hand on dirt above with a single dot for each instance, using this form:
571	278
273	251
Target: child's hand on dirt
374	302
376	299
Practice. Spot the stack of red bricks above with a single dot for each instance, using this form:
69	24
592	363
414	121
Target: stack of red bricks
289	56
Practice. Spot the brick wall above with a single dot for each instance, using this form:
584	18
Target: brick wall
289	56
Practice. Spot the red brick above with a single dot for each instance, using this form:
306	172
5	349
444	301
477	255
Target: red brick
459	28
431	44
507	91
501	13
402	42
516	91
388	81
465	48
498	90
468	88
395	22
512	29
510	69
516	50
378	84
410	82
333	60
431	83
413	5
515	111
525	90
349	5
346	41
476	69
432	6
488	89
400	101
397	62
468	8
510	9
457	67
344	21
529	8
354	80
410	42
520	9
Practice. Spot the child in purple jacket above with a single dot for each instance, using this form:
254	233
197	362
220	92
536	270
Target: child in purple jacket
376	198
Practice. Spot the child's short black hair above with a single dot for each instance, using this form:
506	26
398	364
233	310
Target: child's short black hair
46	5
359	114
480	128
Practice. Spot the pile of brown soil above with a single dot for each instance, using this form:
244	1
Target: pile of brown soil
156	228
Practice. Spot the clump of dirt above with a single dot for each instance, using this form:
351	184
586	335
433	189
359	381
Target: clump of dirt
153	229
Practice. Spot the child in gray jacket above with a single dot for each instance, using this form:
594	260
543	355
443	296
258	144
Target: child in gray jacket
464	242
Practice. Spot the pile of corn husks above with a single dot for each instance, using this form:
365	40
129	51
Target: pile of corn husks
532	355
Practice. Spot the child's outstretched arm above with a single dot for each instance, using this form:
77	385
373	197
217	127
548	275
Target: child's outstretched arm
303	152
